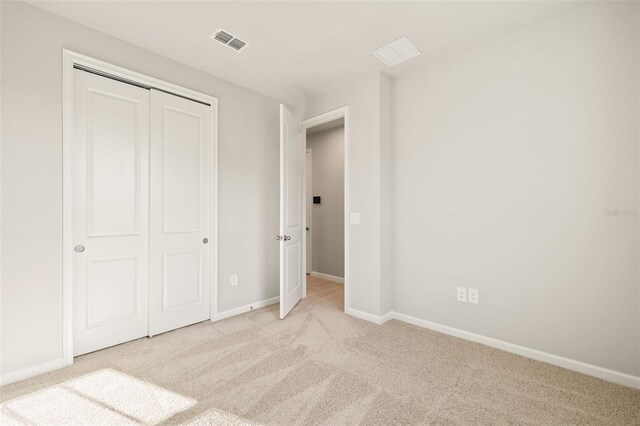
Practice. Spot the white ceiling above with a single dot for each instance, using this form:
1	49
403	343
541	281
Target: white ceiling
302	49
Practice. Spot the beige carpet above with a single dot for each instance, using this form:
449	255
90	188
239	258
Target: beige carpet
316	367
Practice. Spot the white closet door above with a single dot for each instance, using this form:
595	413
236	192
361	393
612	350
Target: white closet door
180	220
291	198
110	212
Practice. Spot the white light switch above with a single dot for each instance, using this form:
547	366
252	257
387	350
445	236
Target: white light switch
473	295
355	218
233	280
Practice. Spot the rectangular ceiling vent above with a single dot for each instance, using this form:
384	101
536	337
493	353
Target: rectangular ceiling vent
396	52
229	40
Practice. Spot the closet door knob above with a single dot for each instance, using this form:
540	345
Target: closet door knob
79	248
206	240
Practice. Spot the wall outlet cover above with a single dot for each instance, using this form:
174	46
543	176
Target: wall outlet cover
473	295
233	280
461	294
355	218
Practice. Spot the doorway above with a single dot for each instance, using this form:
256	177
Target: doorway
293	237
315	122
325	200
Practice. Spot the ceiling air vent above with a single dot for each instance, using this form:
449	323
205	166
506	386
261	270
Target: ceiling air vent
229	40
223	37
237	44
396	52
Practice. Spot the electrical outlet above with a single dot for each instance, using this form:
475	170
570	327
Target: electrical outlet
233	280
461	294
473	295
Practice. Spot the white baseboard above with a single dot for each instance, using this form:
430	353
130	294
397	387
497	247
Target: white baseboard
569	364
36	370
376	319
246	308
327	277
386	317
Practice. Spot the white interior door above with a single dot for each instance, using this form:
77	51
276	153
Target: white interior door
291	221
308	223
109	212
180	220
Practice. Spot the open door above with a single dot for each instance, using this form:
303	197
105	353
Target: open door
292	157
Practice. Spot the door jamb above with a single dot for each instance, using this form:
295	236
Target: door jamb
69	58
342	112
308	234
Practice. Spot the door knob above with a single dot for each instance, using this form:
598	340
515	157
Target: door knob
287	237
307	228
206	240
79	248
278	237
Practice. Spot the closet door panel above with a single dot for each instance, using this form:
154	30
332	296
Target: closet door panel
110	212
180	220
181	170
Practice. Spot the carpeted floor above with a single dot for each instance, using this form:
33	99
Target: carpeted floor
318	366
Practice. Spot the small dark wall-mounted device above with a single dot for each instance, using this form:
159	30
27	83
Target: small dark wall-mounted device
316	199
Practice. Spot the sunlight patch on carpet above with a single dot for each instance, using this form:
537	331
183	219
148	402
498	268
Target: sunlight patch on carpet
106	397
220	418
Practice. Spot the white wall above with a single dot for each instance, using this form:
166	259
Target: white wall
505	159
327	218
386	194
31	241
